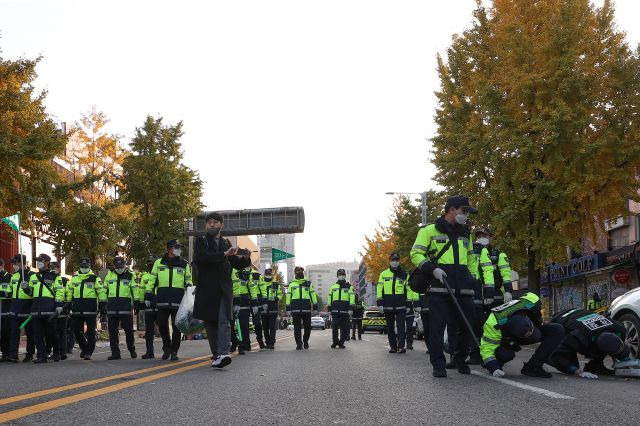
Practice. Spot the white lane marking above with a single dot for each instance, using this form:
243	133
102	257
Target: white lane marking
519	385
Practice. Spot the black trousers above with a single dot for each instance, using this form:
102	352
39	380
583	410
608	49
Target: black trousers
340	329
396	320
441	308
551	336
61	333
88	344
44	331
71	337
299	321
257	325
478	325
150	318
242	316
14	343
356	324
409	328
115	322
5	336
424	315
269	328
171	342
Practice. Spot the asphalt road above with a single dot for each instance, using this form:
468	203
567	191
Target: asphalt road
358	385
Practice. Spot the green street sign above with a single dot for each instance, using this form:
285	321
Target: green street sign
278	255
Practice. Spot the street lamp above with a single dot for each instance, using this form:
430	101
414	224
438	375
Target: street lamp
423	196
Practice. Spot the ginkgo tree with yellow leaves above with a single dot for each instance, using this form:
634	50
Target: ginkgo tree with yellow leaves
538	121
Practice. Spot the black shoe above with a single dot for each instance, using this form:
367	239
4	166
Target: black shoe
174	356
39	361
439	372
306	345
534	370
298	348
12	360
393	351
333	346
353	337
451	365
86	357
56	358
166	355
63	357
241	352
50	357
599	369
114	357
82	354
341	346
348	338
360	338
233	348
261	344
4	359
148	356
464	369
133	354
28	358
402	351
410	346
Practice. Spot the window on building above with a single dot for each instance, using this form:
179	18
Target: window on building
618	238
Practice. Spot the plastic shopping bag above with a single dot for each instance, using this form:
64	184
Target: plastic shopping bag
185	321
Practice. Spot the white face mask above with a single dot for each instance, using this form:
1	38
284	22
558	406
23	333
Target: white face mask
16	267
268	277
394	263
119	270
342	277
461	218
84	270
40	265
177	252
483	241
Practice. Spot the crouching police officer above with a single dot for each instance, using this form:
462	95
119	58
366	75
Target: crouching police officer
517	323
273	293
591	335
341	304
122	293
443	250
302	301
392	300
48	298
85	292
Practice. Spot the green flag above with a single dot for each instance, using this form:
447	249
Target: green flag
278	255
13	222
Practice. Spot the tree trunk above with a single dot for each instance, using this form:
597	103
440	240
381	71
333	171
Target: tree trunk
533	272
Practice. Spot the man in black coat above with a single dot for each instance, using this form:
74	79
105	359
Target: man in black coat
214	257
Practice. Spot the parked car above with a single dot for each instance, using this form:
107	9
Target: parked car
317	322
626	309
374	321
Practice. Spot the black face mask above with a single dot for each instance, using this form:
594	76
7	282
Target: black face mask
214	232
300	276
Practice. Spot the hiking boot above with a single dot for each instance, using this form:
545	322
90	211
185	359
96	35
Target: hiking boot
534	370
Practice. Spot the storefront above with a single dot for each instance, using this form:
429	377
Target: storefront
572	284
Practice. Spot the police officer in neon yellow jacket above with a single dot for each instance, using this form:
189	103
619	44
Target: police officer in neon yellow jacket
21	298
500	265
272	291
256	310
444	250
413	307
48	298
302	301
512	325
340	303
123	293
392	300
245	301
171	276
87	295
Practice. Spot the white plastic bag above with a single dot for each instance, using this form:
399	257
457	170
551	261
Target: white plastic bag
185	321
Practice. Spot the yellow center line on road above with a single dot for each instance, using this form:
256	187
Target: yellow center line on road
72	386
56	403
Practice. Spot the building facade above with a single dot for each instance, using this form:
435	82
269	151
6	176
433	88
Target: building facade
284	242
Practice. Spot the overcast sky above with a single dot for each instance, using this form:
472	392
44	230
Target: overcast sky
320	104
